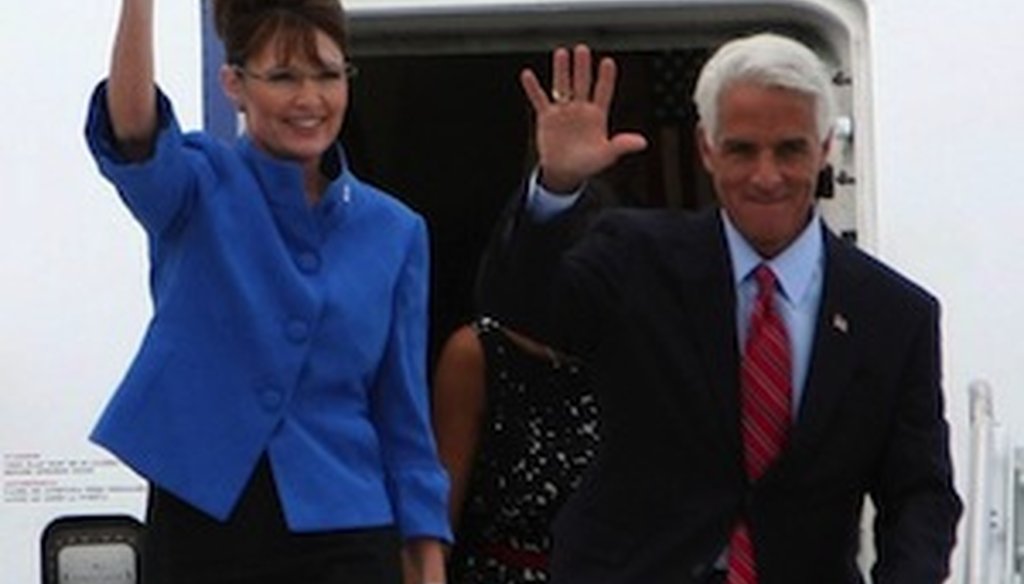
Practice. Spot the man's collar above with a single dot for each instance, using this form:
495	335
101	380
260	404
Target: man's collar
794	266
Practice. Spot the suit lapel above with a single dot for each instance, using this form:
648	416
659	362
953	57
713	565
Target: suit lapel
709	290
833	357
711	295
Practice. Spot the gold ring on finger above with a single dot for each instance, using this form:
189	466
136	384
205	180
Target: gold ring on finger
560	96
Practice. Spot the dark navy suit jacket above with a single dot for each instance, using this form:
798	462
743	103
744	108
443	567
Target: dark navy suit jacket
647	298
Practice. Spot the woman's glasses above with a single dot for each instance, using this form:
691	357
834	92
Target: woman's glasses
288	80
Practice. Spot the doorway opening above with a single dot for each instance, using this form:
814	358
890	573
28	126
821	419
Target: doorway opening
437	116
451	136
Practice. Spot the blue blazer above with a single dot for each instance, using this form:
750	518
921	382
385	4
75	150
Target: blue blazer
277	328
647	297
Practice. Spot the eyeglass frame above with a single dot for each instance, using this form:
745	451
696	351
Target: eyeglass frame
291	79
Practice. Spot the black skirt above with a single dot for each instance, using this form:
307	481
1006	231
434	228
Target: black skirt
185	546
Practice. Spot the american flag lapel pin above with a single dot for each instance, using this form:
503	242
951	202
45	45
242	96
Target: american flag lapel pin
840	323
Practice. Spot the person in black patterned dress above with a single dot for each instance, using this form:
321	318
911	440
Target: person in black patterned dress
516	425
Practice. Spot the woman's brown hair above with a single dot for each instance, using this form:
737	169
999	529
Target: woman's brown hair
246	26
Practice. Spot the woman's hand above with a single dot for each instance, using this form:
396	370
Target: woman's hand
423	561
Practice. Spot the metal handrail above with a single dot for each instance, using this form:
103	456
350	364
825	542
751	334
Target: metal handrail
982	424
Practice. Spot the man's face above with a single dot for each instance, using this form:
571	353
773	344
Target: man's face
764	162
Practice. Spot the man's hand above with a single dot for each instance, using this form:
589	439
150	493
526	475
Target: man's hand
572	123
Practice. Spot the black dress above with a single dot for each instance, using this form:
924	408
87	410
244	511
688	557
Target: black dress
540	432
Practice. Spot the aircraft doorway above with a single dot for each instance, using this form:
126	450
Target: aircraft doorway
450	134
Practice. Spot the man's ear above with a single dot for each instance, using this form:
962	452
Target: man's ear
231	83
704	146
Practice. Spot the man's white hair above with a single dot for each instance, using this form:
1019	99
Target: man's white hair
770	60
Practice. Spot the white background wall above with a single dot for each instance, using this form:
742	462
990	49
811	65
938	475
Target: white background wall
73	298
949	89
949	94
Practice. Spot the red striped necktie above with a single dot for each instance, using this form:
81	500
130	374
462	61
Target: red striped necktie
764	406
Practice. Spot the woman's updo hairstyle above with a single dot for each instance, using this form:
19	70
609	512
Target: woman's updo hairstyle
246	26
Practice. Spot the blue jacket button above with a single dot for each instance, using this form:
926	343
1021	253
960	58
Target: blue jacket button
297	331
308	262
272	399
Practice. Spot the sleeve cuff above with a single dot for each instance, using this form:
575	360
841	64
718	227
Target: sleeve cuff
542	204
421	504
